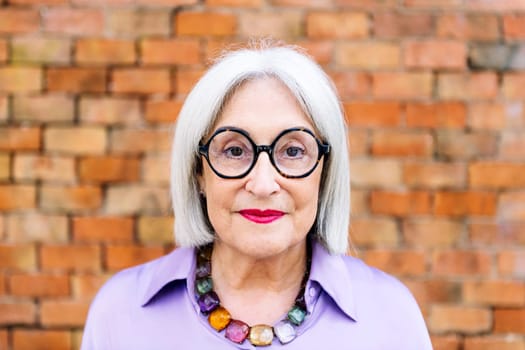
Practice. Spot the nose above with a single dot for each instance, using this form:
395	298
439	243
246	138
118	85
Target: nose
262	180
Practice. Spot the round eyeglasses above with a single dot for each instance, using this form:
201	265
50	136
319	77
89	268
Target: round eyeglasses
232	154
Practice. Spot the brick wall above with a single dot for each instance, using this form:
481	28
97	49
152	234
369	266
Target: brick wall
434	94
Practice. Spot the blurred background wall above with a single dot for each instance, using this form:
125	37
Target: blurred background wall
434	95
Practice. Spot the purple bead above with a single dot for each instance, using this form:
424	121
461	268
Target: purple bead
208	302
203	269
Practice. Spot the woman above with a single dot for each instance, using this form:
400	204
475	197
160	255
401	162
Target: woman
260	186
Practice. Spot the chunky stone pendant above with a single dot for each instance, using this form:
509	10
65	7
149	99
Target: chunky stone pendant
203	269
204	285
296	315
284	331
261	335
219	318
237	331
208	302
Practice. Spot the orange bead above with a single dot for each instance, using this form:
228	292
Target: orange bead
219	318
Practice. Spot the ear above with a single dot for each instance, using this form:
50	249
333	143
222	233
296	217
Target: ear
202	184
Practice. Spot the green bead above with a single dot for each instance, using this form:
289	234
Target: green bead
204	285
296	315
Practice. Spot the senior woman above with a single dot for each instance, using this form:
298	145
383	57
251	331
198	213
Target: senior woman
260	188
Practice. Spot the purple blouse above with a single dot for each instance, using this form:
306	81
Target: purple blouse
350	306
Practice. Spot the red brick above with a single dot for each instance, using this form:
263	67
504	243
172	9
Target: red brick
320	50
107	3
105	51
19	139
15	197
488	115
512	87
40	50
359	203
3	339
491	6
493	342
431	232
496	175
63	313
372	114
497	233
123	256
292	3
467	86
477	27
402	85
138	199
39	285
45	108
36	227
155	229
433	4
70	258
109	169
36	339
432	291
375	173
152	141
85	287
368	4
70	199
19	21
465	203
377	232
512	206
402	143
185	80
138	23
84	140
76	80
17	313
5	167
337	25
20	79
110	110
494	293
283	24
166	3
459	318
457	263
450	115
405	263
368	55
445	342
358	142
156	169
204	24
42	167
73	21
514	26
141	81
4	108
512	145
459	145
248	3
164	111
400	203
401	25
509	320
164	51
17	257
351	85
510	263
435	54
102	229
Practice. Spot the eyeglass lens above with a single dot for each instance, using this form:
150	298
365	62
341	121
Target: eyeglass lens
294	153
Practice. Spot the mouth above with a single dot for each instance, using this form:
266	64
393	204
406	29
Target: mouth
261	216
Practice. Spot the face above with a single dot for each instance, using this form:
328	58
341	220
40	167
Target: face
262	214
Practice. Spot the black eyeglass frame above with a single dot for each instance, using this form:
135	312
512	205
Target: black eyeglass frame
324	149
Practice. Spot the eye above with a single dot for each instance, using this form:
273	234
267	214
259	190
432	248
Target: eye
234	151
294	151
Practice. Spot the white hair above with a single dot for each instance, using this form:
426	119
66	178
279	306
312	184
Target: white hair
316	95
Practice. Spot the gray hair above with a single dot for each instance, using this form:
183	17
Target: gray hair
315	93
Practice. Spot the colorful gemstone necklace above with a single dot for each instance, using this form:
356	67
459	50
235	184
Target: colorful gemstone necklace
235	330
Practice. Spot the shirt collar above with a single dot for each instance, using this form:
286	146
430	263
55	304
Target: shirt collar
177	265
331	272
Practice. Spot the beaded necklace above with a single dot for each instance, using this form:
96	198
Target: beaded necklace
236	330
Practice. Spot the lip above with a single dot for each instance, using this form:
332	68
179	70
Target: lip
261	216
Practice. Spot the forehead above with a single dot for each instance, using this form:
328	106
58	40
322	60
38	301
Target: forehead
263	107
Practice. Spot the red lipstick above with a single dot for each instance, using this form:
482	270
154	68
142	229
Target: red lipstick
261	216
